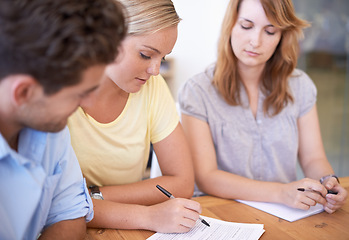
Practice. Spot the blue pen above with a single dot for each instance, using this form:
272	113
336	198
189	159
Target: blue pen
168	194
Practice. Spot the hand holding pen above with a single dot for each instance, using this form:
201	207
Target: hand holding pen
312	191
290	196
335	197
168	194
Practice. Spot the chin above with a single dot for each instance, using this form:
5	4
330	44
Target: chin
54	128
135	89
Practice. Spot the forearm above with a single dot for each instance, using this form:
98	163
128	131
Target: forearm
231	186
227	185
146	193
173	215
108	214
317	168
68	229
311	153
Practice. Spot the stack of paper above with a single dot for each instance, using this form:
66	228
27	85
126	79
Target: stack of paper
283	211
218	230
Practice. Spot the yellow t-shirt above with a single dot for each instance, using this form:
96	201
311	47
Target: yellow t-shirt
117	152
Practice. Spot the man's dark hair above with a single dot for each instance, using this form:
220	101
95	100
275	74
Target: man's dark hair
56	40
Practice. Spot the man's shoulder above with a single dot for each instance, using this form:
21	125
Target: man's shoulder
46	148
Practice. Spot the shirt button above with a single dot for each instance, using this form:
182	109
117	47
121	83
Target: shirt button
259	121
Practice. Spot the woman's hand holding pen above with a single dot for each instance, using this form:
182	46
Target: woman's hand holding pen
307	192
334	201
176	215
314	193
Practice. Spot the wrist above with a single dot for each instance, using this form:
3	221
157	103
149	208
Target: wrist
324	178
283	193
146	220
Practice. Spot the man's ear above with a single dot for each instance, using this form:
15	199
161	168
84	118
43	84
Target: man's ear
23	88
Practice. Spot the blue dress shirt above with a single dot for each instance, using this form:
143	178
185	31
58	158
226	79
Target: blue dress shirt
41	184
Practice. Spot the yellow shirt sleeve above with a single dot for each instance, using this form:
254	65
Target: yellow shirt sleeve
163	113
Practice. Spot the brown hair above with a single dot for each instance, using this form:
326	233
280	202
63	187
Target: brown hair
278	68
55	41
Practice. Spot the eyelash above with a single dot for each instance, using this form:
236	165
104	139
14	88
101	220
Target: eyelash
144	56
147	57
247	28
83	95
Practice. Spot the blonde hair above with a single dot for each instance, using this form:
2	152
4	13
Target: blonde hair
278	68
149	16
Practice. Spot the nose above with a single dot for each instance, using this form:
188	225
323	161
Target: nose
255	40
154	68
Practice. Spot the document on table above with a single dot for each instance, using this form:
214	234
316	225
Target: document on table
283	211
218	230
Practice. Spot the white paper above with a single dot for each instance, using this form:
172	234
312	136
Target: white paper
283	211
218	230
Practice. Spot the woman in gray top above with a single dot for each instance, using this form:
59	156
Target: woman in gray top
252	115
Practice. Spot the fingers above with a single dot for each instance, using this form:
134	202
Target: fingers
331	206
191	205
311	198
341	195
329	210
313	190
186	224
304	200
304	193
335	187
317	187
330	183
191	210
335	202
175	215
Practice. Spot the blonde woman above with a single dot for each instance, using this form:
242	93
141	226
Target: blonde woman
251	115
112	131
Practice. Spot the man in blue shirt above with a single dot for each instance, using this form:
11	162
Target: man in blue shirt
52	54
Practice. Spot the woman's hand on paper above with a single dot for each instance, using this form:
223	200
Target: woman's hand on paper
174	215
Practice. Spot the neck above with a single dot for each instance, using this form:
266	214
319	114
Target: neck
107	92
251	76
106	103
108	86
10	132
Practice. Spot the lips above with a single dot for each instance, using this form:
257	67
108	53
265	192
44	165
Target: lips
141	80
251	53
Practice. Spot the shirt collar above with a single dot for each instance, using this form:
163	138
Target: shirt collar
31	144
4	148
31	147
